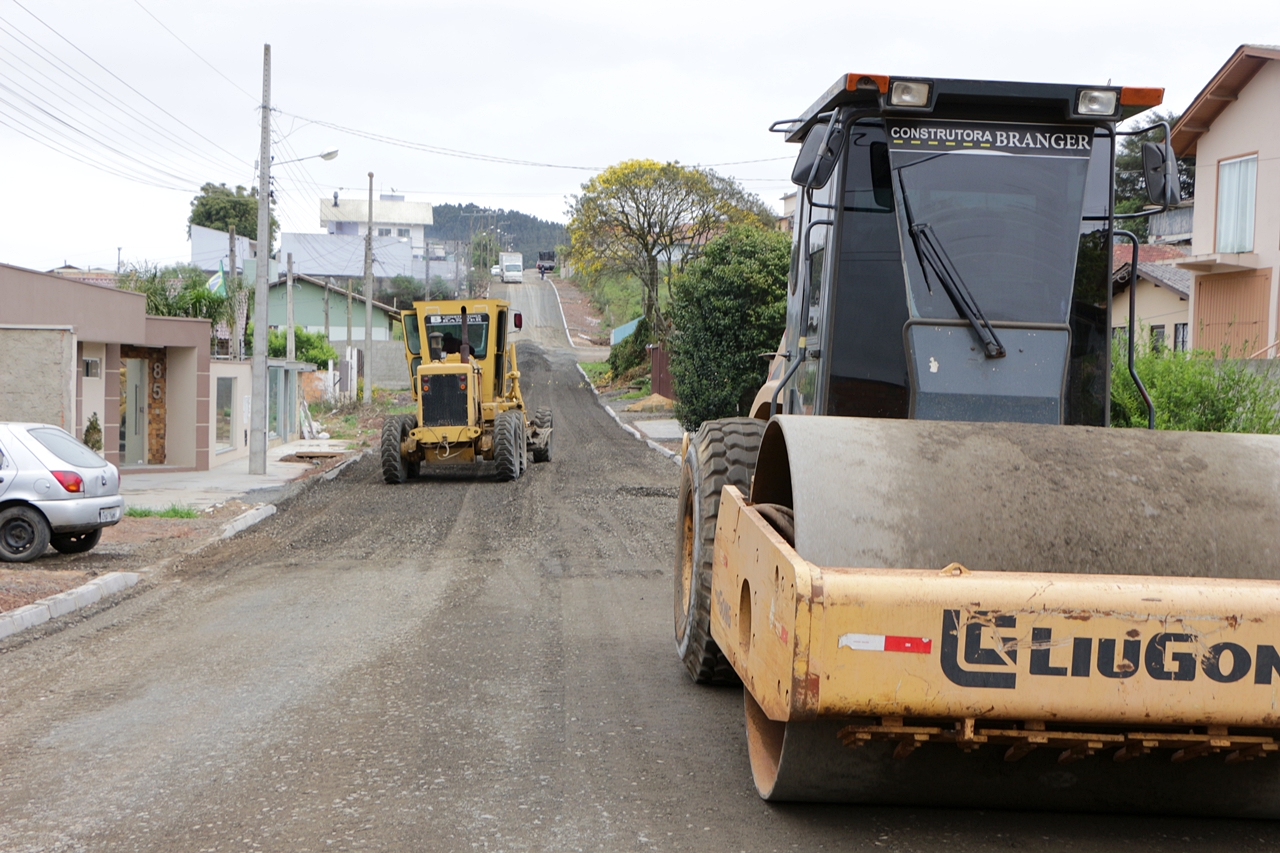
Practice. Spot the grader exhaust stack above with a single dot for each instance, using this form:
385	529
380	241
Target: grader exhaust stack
939	577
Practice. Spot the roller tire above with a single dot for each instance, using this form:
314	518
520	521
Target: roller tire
394	468
542	420
75	543
24	534
506	449
721	453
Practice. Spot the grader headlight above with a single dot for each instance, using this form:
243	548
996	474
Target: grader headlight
1097	102
909	93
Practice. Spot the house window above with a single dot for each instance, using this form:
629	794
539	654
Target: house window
1237	185
1157	338
402	232
384	232
92	368
1179	337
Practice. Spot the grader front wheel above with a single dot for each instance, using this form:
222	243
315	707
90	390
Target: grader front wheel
395	469
721	453
508	444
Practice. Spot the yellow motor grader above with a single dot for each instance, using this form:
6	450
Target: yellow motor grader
940	577
467	388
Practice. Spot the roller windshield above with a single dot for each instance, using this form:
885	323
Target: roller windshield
1004	203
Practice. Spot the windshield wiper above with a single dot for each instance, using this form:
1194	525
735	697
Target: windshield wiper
932	256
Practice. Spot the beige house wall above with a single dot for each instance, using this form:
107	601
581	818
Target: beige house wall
241	375
1250	125
93	390
1155	306
38	378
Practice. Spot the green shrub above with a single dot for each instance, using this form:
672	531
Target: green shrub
630	352
727	308
1192	391
172	511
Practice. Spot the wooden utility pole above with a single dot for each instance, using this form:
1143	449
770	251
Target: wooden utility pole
258	408
328	284
290	346
237	331
368	302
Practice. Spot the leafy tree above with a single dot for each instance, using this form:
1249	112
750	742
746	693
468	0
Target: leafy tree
439	288
728	307
220	207
1192	391
631	352
180	291
311	347
484	251
405	289
650	219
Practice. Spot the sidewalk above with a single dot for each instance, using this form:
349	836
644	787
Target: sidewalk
200	489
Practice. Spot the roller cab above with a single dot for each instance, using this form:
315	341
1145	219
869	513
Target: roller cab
940	577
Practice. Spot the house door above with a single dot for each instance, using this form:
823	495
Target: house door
133	413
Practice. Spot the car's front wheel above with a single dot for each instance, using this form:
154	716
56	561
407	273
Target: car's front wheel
75	543
24	534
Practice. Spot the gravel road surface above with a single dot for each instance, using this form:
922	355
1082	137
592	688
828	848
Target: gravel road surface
453	664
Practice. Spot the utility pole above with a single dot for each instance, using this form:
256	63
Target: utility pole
368	302
290	346
237	333
258	409
328	283
119	264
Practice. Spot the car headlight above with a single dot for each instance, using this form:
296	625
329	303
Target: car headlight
1097	102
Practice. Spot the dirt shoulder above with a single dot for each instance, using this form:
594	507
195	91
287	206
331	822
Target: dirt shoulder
579	315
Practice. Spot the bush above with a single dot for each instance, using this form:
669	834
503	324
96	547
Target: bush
728	307
1192	391
631	352
93	433
311	347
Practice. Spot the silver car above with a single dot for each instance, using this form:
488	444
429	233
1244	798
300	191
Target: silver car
53	491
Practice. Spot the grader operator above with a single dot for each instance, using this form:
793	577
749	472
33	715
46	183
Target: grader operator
939	577
467	389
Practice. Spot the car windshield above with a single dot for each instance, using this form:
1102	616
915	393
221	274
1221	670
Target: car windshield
64	446
1008	216
513	268
450	326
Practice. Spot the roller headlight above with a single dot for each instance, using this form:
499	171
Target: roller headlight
1097	102
909	93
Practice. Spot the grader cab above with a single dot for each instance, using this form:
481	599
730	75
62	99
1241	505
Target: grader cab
466	387
940	578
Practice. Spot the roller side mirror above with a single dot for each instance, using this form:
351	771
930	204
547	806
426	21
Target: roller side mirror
1160	169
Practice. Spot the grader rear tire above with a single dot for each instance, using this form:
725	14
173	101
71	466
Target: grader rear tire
394	467
507	444
722	452
542	420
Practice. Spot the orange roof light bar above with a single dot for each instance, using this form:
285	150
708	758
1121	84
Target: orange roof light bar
1134	96
880	82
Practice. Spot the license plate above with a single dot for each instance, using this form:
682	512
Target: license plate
109	514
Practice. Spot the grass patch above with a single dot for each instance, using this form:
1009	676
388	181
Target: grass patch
172	511
596	370
407	409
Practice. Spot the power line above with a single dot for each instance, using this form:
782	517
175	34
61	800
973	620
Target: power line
251	96
127	85
61	66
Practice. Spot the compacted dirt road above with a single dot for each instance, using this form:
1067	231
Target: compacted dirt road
453	664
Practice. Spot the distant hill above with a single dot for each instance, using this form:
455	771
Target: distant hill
528	234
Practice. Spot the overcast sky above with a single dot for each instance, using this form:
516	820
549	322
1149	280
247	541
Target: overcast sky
582	84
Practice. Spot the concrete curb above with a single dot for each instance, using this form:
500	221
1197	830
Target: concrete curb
65	602
248	519
670	454
564	320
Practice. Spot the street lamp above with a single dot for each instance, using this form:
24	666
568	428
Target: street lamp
324	155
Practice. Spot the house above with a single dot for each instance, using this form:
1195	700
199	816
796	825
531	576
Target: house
1162	296
1232	128
342	256
321	306
392	217
72	350
787	221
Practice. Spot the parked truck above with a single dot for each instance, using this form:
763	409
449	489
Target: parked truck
941	579
512	264
547	260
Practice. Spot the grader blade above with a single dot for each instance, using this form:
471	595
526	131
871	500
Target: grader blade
1007	615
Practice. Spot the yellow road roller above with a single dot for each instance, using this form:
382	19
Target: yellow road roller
939	576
